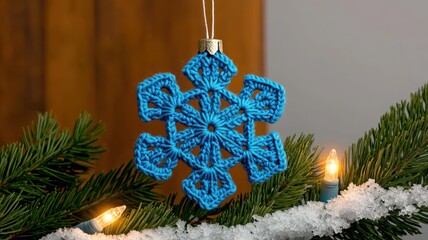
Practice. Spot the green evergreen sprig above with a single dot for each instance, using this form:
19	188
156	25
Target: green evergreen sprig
68	208
152	215
394	154
42	189
12	215
284	190
48	158
189	211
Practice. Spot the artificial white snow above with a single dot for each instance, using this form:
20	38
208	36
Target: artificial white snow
367	201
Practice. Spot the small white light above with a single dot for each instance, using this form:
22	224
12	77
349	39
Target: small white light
331	166
97	224
109	216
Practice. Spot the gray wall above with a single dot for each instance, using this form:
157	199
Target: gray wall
344	63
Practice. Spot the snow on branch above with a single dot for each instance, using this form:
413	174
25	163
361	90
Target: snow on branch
367	201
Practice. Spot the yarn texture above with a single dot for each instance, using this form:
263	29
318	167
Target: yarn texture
210	143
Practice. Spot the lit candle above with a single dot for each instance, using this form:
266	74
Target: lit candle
97	224
330	183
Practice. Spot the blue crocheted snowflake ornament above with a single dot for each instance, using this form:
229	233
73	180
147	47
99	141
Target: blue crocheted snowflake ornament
210	128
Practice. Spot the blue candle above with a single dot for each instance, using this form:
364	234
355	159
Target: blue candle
330	183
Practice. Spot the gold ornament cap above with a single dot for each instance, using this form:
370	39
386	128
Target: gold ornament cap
210	45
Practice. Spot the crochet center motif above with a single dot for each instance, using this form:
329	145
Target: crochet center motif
210	128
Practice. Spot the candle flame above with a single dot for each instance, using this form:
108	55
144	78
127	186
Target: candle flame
109	216
331	166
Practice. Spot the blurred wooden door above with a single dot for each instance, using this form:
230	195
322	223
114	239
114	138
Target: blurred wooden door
70	56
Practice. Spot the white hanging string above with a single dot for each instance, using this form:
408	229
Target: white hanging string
212	19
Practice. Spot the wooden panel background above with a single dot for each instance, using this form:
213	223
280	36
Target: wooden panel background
70	56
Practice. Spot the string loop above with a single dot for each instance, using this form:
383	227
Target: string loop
205	19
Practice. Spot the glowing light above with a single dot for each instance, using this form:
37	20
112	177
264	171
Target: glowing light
331	166
109	217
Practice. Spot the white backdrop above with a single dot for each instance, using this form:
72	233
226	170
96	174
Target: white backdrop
344	63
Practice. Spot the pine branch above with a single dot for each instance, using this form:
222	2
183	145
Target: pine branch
302	175
395	153
80	150
150	216
390	227
48	213
242	210
48	158
58	209
188	210
124	185
45	167
282	191
12	215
